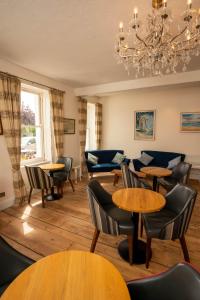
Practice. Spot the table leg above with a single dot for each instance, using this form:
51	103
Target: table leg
53	196
116	179
139	247
155	183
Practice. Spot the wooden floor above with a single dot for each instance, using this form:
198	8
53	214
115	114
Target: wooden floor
65	224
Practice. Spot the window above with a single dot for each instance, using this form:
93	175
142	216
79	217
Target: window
31	126
90	130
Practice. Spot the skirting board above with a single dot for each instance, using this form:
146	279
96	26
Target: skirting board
6	202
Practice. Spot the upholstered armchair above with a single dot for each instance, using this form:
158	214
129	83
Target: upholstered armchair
180	174
12	263
131	180
107	217
38	179
171	222
181	282
61	176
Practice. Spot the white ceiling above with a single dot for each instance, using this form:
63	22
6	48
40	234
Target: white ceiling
70	40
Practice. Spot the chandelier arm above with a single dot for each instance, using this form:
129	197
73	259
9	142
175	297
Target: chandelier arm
175	37
141	40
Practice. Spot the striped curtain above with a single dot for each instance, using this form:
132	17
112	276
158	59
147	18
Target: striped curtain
98	124
10	88
82	120
57	104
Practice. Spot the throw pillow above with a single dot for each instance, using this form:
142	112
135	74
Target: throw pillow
92	159
118	158
174	162
145	159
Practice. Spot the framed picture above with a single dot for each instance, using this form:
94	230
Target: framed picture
190	122
69	126
1	128
145	125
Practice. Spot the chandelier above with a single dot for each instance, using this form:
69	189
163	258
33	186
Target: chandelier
162	45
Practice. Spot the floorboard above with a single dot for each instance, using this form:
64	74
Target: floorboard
66	224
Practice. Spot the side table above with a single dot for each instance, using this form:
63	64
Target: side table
77	173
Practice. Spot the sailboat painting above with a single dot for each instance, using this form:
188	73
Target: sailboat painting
145	125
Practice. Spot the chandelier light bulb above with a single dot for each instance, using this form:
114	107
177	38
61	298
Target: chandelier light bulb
121	26
135	12
189	4
165	3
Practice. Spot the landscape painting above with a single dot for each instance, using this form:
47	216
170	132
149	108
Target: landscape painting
190	122
145	125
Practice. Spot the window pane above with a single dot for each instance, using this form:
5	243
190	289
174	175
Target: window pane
31	130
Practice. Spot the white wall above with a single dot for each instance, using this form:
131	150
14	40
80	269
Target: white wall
118	120
71	144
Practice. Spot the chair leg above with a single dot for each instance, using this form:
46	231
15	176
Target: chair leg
94	240
148	251
184	248
70	181
29	196
130	248
43	204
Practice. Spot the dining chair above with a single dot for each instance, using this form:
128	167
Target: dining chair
38	179
61	176
12	263
180	174
171	222
181	281
107	217
131	179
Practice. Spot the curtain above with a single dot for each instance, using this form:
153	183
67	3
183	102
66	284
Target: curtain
82	115
10	106
57	103
98	124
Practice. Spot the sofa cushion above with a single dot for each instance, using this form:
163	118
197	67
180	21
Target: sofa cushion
145	159
104	167
118	158
92	159
174	162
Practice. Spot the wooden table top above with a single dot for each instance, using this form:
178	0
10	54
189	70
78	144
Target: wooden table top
138	200
156	171
69	275
119	173
52	167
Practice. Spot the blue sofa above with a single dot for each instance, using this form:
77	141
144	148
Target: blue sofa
161	159
104	162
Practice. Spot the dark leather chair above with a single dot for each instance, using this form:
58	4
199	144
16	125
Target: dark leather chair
38	179
131	179
60	177
171	222
12	263
107	217
180	174
181	282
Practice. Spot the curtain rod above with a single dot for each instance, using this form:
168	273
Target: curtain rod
33	82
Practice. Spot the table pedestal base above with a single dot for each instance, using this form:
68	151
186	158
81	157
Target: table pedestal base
52	197
139	252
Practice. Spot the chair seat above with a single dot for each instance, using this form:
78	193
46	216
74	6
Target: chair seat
154	222
3	288
123	218
12	263
168	182
59	177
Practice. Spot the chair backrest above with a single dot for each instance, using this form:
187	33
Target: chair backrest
181	172
130	179
37	178
67	161
181	281
98	200
180	200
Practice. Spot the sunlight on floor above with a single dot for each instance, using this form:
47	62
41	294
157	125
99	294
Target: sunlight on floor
26	212
36	203
27	229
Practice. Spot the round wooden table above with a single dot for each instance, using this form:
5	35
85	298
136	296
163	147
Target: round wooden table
51	168
156	172
118	173
136	201
69	275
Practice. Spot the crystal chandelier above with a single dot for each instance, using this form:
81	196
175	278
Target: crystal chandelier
162	44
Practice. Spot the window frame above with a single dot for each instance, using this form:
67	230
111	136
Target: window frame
36	160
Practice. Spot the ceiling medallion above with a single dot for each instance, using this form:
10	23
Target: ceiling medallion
162	44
